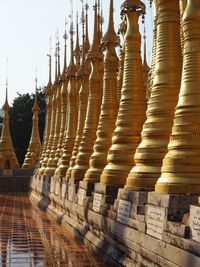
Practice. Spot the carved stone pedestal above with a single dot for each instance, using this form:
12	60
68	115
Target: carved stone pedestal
36	188
194	222
71	190
84	192
166	214
55	195
103	198
129	208
42	191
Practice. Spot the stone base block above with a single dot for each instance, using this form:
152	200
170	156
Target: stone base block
177	205
177	229
109	190
137	225
194	222
84	192
88	186
72	191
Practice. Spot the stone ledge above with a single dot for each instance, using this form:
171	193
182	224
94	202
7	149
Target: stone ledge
171	201
120	251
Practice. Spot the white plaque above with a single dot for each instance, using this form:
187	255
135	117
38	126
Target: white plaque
156	219
41	183
123	211
71	192
57	187
97	202
8	172
81	196
195	222
63	190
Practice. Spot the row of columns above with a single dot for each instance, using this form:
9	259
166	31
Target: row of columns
130	142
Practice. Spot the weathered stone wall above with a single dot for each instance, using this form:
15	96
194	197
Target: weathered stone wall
139	229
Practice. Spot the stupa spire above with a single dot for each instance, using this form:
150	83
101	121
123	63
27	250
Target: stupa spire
145	48
50	68
109	106
94	52
72	115
83	77
34	147
71	68
122	31
121	154
63	103
77	50
48	95
87	42
164	96
93	108
58	54
65	51
56	63
146	67
110	36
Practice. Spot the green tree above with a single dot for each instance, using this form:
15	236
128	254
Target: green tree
21	121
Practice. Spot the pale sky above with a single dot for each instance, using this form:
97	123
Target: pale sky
25	29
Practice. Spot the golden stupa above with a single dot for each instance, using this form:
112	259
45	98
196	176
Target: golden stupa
132	106
72	114
181	165
34	148
94	102
8	157
83	76
63	103
122	31
52	117
51	163
164	96
109	106
48	95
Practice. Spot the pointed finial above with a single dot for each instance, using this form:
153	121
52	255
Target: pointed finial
56	62
83	21
49	56
6	105
101	22
65	49
110	36
95	51
36	81
145	37
58	54
6	100
71	69
35	106
99	18
87	42
77	48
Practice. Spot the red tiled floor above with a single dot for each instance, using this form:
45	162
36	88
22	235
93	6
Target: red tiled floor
31	238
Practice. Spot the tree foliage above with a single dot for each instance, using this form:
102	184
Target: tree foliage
21	121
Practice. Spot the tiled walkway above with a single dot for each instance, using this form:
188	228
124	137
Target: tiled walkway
29	237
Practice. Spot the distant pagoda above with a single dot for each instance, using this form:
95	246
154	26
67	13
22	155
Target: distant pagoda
8	157
34	147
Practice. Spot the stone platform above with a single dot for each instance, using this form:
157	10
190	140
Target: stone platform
31	238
